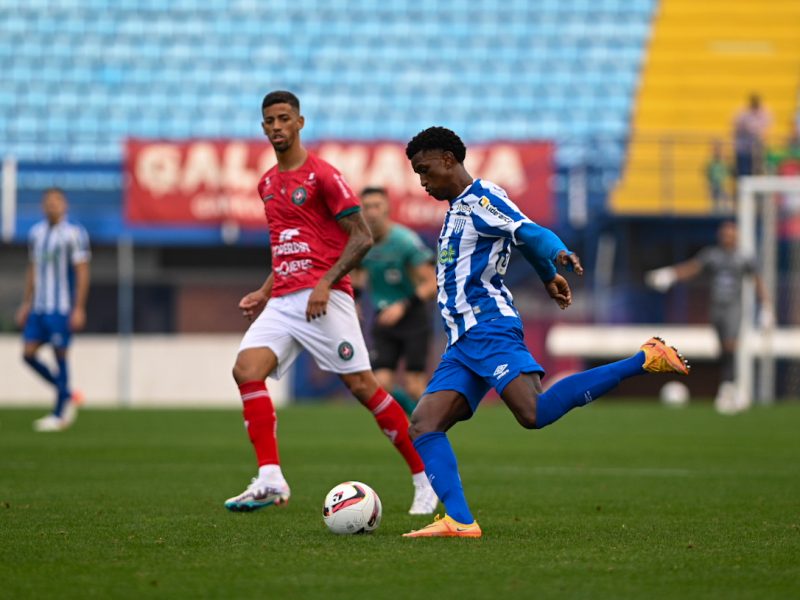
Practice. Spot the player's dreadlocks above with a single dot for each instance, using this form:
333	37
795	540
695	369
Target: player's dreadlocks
437	138
281	97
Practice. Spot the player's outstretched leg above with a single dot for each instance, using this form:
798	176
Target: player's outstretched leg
393	422
435	414
580	389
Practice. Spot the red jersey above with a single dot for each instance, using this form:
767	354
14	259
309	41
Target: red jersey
302	209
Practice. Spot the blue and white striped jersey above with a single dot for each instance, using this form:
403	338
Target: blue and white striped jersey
53	252
474	251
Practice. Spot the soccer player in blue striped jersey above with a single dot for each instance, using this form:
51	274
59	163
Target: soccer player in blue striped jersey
54	305
485	342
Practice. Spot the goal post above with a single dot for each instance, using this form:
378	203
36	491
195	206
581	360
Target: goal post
758	217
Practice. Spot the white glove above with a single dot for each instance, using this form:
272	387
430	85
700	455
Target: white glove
766	318
661	279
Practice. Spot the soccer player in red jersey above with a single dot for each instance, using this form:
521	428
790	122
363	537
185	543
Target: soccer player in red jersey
317	236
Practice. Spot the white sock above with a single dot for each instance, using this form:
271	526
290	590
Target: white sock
420	479
271	474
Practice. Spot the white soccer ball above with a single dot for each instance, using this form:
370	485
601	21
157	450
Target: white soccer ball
674	393
352	507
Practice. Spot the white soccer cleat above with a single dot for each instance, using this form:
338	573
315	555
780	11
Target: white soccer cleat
69	414
259	494
49	423
425	499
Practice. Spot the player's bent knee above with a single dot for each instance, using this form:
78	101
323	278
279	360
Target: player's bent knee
243	372
527	418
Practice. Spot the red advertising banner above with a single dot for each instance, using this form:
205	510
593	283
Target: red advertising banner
198	182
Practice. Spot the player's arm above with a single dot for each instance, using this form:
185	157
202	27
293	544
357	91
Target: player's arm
766	314
359	241
77	320
423	276
253	303
544	250
664	278
27	299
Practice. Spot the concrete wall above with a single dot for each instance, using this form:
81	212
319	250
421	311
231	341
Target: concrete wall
164	371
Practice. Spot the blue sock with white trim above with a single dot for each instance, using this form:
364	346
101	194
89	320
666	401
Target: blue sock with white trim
441	468
581	388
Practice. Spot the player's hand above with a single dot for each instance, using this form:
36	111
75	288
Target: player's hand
661	279
766	317
77	320
22	314
390	315
570	261
252	304
558	289
318	300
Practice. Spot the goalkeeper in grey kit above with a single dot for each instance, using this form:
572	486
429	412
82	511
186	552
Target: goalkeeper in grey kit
726	269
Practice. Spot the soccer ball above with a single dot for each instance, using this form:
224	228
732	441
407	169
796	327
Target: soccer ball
352	507
674	393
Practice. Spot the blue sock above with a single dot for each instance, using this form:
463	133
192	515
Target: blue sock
442	470
62	384
40	368
581	388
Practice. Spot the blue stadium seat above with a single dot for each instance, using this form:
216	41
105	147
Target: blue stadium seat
104	71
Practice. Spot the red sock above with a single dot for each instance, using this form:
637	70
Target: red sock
393	422
260	421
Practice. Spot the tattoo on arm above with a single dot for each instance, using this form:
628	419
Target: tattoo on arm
358	244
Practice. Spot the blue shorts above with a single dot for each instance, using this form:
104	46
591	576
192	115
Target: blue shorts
49	328
489	355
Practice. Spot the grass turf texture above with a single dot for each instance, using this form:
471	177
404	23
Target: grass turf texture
615	501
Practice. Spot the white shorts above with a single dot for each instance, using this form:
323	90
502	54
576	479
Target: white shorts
334	339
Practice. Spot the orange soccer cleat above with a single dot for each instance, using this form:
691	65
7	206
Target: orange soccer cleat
447	527
660	358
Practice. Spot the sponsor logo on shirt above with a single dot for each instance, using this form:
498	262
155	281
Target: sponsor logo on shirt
492	210
290	267
299	196
461	208
447	255
287	246
288	234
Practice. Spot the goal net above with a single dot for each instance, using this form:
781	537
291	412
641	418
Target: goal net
768	356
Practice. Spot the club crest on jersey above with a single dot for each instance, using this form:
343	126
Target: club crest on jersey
458	224
346	351
299	196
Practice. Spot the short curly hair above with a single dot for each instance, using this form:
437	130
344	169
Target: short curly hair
281	97
437	138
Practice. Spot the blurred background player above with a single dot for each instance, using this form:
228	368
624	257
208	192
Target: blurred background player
485	346
726	268
398	270
54	304
317	235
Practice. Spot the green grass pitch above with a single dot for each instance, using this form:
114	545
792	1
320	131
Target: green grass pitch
614	501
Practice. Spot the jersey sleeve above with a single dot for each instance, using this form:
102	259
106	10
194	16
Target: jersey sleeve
496	216
337	195
79	245
417	253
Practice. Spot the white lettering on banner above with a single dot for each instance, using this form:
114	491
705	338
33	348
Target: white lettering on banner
351	161
236	173
201	169
158	168
206	207
288	267
504	167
